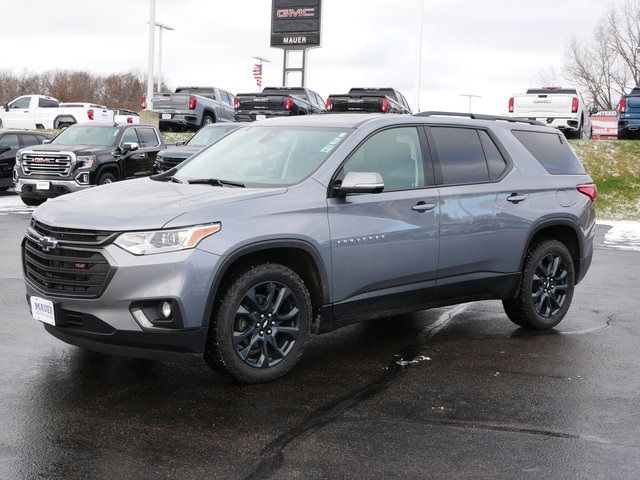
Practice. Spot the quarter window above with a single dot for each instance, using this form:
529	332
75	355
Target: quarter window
552	151
395	154
460	155
495	160
29	140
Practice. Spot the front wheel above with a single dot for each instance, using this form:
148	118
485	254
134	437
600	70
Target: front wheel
106	178
32	202
260	327
546	288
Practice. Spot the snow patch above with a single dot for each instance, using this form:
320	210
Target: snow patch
623	234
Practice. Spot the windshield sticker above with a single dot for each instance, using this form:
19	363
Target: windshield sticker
332	144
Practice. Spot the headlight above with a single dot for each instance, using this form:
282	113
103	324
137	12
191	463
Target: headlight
86	161
162	241
18	159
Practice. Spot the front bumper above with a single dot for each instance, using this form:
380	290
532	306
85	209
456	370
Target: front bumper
106	324
27	187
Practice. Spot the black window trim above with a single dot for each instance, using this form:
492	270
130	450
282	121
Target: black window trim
427	161
436	161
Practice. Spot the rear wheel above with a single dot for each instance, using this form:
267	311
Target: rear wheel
259	329
208	120
546	288
33	202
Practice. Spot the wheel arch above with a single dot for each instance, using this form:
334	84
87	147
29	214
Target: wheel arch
564	230
109	167
208	111
67	118
299	255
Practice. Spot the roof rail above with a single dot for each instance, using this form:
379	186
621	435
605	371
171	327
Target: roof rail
477	116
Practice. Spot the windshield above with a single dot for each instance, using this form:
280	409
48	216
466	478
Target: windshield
265	156
207	136
87	135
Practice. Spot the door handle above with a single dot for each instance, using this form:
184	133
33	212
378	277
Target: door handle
515	198
423	207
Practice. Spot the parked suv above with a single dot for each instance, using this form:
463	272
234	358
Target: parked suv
10	142
299	225
83	156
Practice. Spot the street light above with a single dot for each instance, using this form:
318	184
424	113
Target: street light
152	26
470	97
161	27
419	52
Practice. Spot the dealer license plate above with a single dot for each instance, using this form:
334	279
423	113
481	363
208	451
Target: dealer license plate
166	116
43	185
261	117
43	310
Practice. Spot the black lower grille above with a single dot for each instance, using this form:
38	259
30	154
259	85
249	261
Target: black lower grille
66	271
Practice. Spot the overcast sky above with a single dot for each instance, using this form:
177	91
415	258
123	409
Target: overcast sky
491	48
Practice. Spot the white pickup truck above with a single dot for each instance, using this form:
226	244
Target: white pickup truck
41	111
558	107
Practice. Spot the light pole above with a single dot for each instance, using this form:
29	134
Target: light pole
470	97
419	52
265	60
150	70
161	27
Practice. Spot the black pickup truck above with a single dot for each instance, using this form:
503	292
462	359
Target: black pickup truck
277	102
83	156
367	100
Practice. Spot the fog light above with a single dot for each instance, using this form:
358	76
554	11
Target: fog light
165	310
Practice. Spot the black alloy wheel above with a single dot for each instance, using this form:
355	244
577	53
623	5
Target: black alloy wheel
549	286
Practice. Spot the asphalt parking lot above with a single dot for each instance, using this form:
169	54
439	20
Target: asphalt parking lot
457	392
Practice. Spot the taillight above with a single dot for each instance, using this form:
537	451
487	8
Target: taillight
384	105
236	103
511	103
622	106
590	190
574	105
90	113
329	104
143	102
193	101
288	103
129	119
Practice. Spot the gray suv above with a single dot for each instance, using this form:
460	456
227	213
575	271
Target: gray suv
299	225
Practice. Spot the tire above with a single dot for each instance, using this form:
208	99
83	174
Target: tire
208	119
33	202
106	178
4	189
541	303
241	331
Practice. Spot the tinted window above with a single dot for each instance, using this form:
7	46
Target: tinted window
11	140
148	137
47	103
29	140
129	136
20	103
395	154
552	150
460	154
495	161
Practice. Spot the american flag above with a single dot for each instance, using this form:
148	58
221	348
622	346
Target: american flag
257	74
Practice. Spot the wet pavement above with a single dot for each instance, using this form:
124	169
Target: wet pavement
456	392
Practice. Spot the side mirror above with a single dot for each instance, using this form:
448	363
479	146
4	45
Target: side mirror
181	143
46	140
360	182
130	146
4	148
6	107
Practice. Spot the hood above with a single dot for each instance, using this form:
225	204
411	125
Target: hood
77	149
141	204
179	152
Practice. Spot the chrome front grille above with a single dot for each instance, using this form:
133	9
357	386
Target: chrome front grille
47	163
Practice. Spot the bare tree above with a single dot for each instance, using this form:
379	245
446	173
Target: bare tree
606	66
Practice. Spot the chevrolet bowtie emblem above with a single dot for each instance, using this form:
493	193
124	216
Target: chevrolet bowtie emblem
47	243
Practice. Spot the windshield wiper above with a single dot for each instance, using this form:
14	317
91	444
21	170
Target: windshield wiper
174	180
216	182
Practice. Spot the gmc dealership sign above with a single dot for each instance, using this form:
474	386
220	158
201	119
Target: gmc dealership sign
295	23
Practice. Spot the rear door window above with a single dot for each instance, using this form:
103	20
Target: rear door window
552	151
28	140
460	155
148	137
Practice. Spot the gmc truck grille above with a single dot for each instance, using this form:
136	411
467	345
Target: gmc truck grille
66	262
49	164
170	162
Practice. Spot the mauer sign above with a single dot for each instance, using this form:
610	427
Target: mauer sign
295	23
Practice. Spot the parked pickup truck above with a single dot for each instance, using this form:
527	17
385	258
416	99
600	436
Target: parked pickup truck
558	107
83	156
629	115
10	142
277	102
41	111
378	100
190	108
